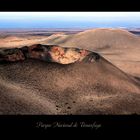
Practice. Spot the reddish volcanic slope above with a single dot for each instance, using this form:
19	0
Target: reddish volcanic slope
49	79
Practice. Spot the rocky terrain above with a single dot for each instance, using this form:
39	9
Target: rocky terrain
50	79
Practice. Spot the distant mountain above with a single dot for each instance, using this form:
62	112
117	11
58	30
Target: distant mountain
96	39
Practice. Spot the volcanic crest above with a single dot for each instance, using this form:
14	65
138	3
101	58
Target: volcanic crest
48	53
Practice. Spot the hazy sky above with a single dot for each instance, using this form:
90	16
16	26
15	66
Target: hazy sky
69	19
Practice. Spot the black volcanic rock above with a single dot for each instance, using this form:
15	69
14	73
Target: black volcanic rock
48	53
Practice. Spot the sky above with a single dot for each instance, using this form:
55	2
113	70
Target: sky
69	19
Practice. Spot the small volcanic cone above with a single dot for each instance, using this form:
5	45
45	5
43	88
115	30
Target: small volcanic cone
49	79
